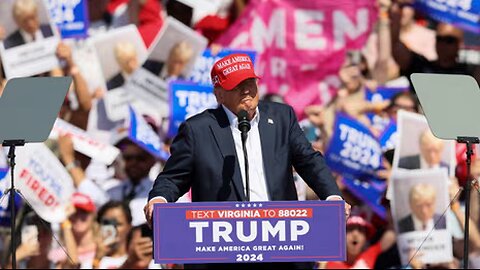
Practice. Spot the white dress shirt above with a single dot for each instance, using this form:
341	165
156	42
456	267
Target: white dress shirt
258	183
419	226
28	37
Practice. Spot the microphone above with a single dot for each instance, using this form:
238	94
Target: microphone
244	127
243	123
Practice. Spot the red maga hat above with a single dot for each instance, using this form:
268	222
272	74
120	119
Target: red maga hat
231	70
360	221
82	201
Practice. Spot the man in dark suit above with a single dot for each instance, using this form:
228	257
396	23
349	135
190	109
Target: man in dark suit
431	151
422	199
207	155
25	14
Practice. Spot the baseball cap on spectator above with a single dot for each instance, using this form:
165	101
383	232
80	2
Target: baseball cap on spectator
361	222
82	201
231	70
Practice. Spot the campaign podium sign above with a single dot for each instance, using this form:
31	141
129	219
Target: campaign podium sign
239	232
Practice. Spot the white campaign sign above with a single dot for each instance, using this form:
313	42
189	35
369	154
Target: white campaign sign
84	143
43	181
150	89
30	59
437	247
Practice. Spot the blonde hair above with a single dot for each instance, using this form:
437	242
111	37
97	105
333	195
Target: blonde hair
123	49
427	138
422	191
181	50
21	7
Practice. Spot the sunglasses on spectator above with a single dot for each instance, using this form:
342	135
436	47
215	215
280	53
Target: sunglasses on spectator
140	157
447	39
403	107
108	221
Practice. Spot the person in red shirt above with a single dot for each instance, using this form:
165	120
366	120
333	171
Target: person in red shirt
359	231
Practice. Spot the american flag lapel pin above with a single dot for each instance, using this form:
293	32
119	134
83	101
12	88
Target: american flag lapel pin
270	121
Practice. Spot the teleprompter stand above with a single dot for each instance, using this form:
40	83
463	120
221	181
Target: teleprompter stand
28	109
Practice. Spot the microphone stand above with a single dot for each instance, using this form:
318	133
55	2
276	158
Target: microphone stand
245	156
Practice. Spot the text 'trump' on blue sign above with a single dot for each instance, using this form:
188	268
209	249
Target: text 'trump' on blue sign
239	232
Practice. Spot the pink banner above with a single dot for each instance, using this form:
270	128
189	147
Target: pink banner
301	44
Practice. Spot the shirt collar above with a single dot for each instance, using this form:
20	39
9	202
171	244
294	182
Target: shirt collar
233	119
417	223
27	36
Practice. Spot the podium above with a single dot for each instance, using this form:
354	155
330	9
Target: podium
249	232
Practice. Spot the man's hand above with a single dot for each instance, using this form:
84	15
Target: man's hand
65	147
348	208
64	52
140	252
148	209
2	33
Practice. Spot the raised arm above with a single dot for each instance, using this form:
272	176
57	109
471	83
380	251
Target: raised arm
402	55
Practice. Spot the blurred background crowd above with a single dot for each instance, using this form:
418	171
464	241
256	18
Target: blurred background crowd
103	224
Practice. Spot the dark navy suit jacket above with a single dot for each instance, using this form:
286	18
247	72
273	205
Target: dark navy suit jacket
16	39
406	223
413	162
204	158
115	81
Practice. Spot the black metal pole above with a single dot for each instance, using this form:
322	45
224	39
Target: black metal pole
11	156
245	156
467	208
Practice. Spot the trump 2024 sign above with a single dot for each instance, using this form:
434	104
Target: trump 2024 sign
234	232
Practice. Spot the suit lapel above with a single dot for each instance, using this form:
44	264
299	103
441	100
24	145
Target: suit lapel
266	128
224	139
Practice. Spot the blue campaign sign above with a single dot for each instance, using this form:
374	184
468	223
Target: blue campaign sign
353	150
370	192
71	17
201	71
389	137
464	14
238	232
383	93
143	135
380	94
5	207
188	99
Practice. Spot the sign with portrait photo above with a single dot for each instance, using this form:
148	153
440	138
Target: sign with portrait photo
27	48
120	51
171	56
418	148
420	200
